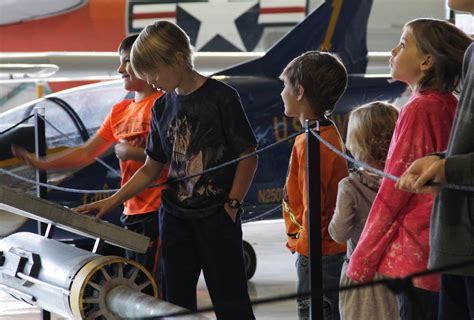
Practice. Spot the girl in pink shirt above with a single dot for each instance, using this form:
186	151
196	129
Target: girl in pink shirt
394	241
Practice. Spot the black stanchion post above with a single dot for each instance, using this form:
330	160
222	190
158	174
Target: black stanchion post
313	182
41	192
40	149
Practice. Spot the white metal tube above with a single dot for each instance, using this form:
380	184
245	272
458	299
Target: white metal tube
125	302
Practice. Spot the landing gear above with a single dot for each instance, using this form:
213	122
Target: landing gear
250	260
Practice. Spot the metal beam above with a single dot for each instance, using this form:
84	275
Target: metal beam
29	206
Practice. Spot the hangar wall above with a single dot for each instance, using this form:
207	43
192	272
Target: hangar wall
385	23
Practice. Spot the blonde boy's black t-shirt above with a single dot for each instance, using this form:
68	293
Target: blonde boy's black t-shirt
196	132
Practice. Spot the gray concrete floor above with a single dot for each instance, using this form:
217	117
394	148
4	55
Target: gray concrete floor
275	276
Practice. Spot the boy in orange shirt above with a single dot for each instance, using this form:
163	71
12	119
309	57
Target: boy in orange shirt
314	82
127	126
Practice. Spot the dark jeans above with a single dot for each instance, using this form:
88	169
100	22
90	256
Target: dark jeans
332	266
147	225
418	304
212	244
456	300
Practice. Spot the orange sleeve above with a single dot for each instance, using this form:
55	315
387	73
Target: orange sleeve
292	206
302	185
105	131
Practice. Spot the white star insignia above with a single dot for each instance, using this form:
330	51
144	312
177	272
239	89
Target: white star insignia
218	18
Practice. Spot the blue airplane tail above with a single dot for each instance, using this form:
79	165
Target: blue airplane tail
338	26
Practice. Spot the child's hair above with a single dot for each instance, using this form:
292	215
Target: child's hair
322	76
446	44
370	130
127	43
161	43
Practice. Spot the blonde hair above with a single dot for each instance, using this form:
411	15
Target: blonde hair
161	43
446	44
370	130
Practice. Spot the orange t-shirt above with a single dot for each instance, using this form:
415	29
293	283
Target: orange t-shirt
295	211
130	121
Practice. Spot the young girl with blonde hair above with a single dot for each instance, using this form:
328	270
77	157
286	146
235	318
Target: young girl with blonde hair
395	239
370	129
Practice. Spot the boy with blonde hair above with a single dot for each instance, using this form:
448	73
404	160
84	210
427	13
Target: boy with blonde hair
314	82
199	123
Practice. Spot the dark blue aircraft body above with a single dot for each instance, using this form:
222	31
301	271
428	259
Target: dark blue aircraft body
338	26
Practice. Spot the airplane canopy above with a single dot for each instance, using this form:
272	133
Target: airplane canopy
16	11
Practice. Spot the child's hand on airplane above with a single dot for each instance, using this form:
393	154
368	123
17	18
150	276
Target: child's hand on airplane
30	160
421	174
99	208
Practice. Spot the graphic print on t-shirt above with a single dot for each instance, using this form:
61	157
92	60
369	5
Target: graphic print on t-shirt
189	157
131	127
195	132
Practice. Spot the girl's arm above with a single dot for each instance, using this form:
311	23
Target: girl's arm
69	159
148	173
341	224
242	180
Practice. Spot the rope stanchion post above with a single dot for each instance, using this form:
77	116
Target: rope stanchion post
313	182
40	149
41	177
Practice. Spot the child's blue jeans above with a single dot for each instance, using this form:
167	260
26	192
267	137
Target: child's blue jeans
332	266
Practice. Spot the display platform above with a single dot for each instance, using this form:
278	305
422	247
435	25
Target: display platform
29	206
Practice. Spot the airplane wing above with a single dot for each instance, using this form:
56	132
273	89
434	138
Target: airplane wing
96	66
86	66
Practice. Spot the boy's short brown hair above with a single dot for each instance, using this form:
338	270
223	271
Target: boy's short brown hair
322	76
127	43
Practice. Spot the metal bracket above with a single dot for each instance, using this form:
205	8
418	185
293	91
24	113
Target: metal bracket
98	246
49	231
22	261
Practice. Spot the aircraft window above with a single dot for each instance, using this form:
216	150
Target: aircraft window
14	116
92	104
61	127
61	120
